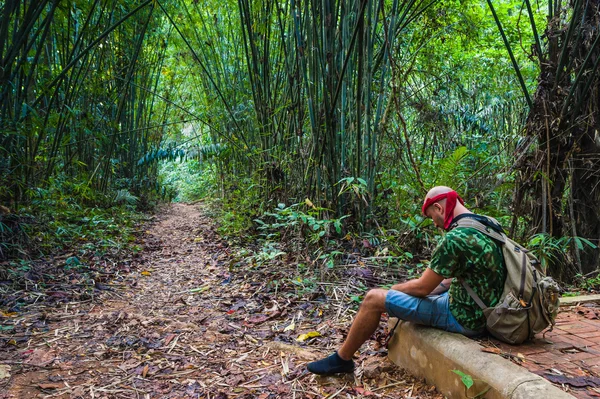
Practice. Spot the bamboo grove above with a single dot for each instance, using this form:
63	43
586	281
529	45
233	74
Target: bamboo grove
356	105
75	101
319	95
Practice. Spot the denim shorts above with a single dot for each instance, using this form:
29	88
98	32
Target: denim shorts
433	310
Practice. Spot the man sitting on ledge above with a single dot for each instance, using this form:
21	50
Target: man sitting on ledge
464	253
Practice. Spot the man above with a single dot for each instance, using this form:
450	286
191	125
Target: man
464	254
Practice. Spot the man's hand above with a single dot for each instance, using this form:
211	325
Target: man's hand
422	286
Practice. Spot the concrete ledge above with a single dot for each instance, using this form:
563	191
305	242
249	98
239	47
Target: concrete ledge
433	354
574	300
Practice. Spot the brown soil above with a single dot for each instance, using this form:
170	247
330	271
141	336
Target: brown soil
191	320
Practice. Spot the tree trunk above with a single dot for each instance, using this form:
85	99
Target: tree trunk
565	122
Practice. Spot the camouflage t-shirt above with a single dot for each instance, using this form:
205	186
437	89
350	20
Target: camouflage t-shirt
468	254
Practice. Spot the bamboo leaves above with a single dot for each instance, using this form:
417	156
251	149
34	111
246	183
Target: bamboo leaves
70	101
510	53
288	98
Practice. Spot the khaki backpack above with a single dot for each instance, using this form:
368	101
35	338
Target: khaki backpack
529	301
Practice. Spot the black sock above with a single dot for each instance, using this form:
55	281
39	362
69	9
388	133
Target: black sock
333	364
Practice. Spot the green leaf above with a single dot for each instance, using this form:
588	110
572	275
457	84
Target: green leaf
72	261
338	226
580	241
460	373
466	379
355	298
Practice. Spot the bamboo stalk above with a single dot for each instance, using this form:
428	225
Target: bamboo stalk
565	48
512	57
84	52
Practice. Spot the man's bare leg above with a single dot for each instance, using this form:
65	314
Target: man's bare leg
364	325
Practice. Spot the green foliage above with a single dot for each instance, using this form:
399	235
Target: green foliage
548	249
162	154
416	226
310	223
269	252
17	269
215	151
78	110
551	250
304	285
125	197
252	133
361	110
329	258
188	181
357	187
72	262
239	208
233	223
13	235
581	243
451	169
65	216
173	153
468	381
589	284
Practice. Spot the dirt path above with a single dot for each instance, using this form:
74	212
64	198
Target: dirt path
191	321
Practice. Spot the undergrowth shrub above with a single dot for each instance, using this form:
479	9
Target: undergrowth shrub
189	180
312	223
239	205
67	214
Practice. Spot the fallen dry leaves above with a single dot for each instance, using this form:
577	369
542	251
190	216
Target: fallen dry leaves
187	318
590	311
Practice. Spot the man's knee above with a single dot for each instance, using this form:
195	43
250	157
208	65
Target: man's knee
375	300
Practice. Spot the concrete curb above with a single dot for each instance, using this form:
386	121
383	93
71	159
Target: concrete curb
575	300
433	354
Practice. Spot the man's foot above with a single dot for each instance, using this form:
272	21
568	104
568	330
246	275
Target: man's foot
333	364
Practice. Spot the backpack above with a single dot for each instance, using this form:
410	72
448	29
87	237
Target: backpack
529	301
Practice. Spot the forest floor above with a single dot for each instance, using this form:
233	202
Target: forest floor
183	322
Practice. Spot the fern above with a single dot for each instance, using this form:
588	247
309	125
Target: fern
125	197
451	168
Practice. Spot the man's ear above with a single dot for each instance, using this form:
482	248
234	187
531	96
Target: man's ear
440	207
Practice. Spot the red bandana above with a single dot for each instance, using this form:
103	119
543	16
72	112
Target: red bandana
451	197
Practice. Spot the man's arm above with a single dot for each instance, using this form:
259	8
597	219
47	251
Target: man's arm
443	287
422	286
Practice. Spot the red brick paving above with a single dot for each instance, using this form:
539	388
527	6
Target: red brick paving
571	348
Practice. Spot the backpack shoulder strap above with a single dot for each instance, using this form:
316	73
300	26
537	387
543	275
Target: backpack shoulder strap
495	234
488	231
473	295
